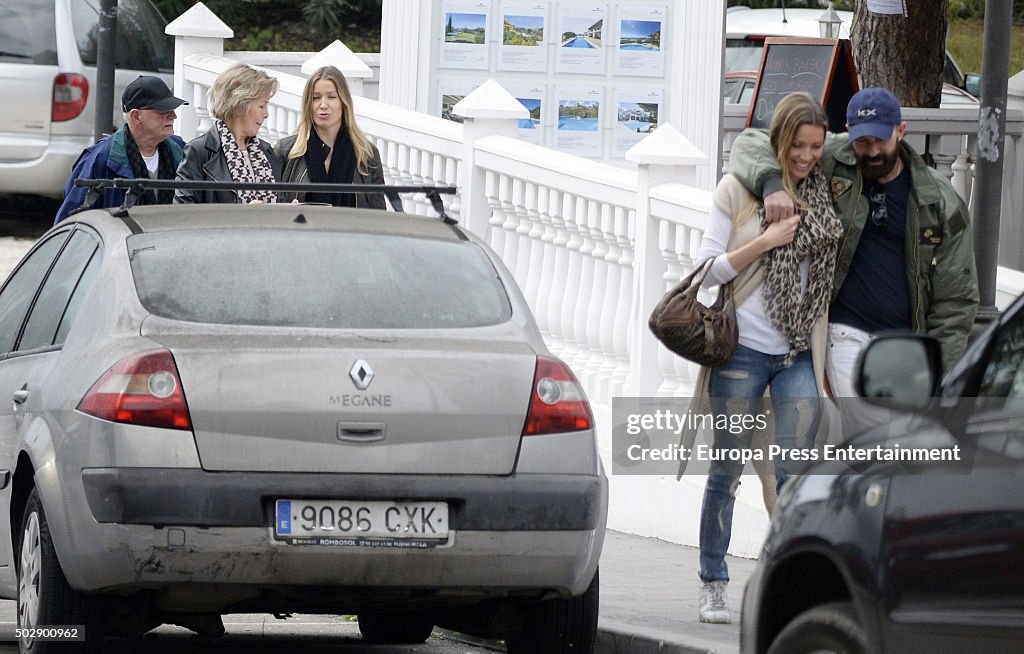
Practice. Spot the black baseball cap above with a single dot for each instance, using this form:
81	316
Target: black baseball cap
148	92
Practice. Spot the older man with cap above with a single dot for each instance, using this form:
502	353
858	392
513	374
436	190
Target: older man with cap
144	147
906	257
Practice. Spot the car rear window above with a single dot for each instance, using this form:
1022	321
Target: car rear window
318	279
27	32
141	41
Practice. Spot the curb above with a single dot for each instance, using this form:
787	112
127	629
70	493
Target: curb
612	638
620	638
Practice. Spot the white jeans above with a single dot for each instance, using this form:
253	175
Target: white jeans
844	346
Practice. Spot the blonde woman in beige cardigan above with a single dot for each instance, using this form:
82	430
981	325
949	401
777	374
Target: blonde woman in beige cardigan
782	278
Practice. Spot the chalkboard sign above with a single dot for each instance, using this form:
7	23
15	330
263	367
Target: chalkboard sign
822	67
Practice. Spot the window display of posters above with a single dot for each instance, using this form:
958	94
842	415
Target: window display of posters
579	121
580	37
640	49
450	93
637	115
522	36
465	34
531	96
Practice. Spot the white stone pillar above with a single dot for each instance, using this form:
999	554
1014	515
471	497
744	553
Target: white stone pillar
337	54
405	53
197	31
666	156
695	81
490	110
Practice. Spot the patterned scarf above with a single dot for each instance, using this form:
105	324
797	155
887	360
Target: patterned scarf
261	170
164	169
816	237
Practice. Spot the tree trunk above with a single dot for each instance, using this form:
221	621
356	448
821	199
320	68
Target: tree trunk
905	55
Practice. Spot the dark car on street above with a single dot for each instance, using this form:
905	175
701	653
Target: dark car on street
871	555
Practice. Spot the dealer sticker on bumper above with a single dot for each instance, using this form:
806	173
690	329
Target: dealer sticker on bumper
371	523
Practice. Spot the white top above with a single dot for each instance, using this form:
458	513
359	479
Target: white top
756	330
152	163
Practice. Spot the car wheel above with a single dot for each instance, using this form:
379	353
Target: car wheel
829	628
44	596
395	627
559	625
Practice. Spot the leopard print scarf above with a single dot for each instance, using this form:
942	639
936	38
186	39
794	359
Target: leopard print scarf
817	237
239	167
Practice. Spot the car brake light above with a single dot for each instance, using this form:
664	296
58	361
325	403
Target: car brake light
70	92
141	389
557	401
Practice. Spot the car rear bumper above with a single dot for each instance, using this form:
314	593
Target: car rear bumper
170	529
46	174
176	496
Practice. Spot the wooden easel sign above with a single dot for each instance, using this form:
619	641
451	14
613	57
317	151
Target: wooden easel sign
822	67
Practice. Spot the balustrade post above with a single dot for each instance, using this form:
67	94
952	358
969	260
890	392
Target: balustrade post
197	31
666	156
488	111
337	54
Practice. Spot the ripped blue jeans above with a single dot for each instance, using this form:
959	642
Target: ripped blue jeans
735	389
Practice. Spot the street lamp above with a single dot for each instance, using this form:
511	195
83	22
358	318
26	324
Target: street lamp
828	23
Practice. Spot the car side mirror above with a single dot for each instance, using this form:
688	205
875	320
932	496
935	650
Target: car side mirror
899	371
972	84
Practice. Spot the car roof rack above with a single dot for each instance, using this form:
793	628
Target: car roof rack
134	187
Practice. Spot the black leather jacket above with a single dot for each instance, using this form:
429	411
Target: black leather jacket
204	161
295	171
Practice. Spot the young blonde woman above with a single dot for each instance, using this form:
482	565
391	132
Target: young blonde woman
782	278
328	146
231	150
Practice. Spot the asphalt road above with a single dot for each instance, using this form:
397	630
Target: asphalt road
26	216
257	634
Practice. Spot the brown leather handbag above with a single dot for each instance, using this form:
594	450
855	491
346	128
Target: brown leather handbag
704	335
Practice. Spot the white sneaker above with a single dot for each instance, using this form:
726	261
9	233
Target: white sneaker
714	606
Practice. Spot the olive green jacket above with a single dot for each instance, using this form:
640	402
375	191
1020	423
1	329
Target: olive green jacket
941	274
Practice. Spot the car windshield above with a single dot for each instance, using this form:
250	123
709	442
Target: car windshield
317	279
743	54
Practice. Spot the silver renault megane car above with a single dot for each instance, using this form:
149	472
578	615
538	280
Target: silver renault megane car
226	409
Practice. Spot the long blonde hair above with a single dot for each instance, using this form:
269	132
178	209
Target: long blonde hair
793	112
361	144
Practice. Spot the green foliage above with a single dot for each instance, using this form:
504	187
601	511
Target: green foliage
966	41
302	25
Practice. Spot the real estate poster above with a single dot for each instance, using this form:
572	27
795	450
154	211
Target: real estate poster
637	114
522	36
450	93
533	97
465	34
581	37
579	121
639	47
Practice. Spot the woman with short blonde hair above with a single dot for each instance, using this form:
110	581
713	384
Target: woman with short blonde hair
231	150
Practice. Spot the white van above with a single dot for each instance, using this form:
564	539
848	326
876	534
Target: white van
48	81
746	30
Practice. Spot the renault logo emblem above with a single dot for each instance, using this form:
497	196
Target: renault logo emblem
361	374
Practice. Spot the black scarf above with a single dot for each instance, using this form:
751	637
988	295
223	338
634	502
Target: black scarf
342	171
165	169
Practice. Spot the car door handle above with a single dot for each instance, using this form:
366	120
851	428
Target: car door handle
19	396
361	432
